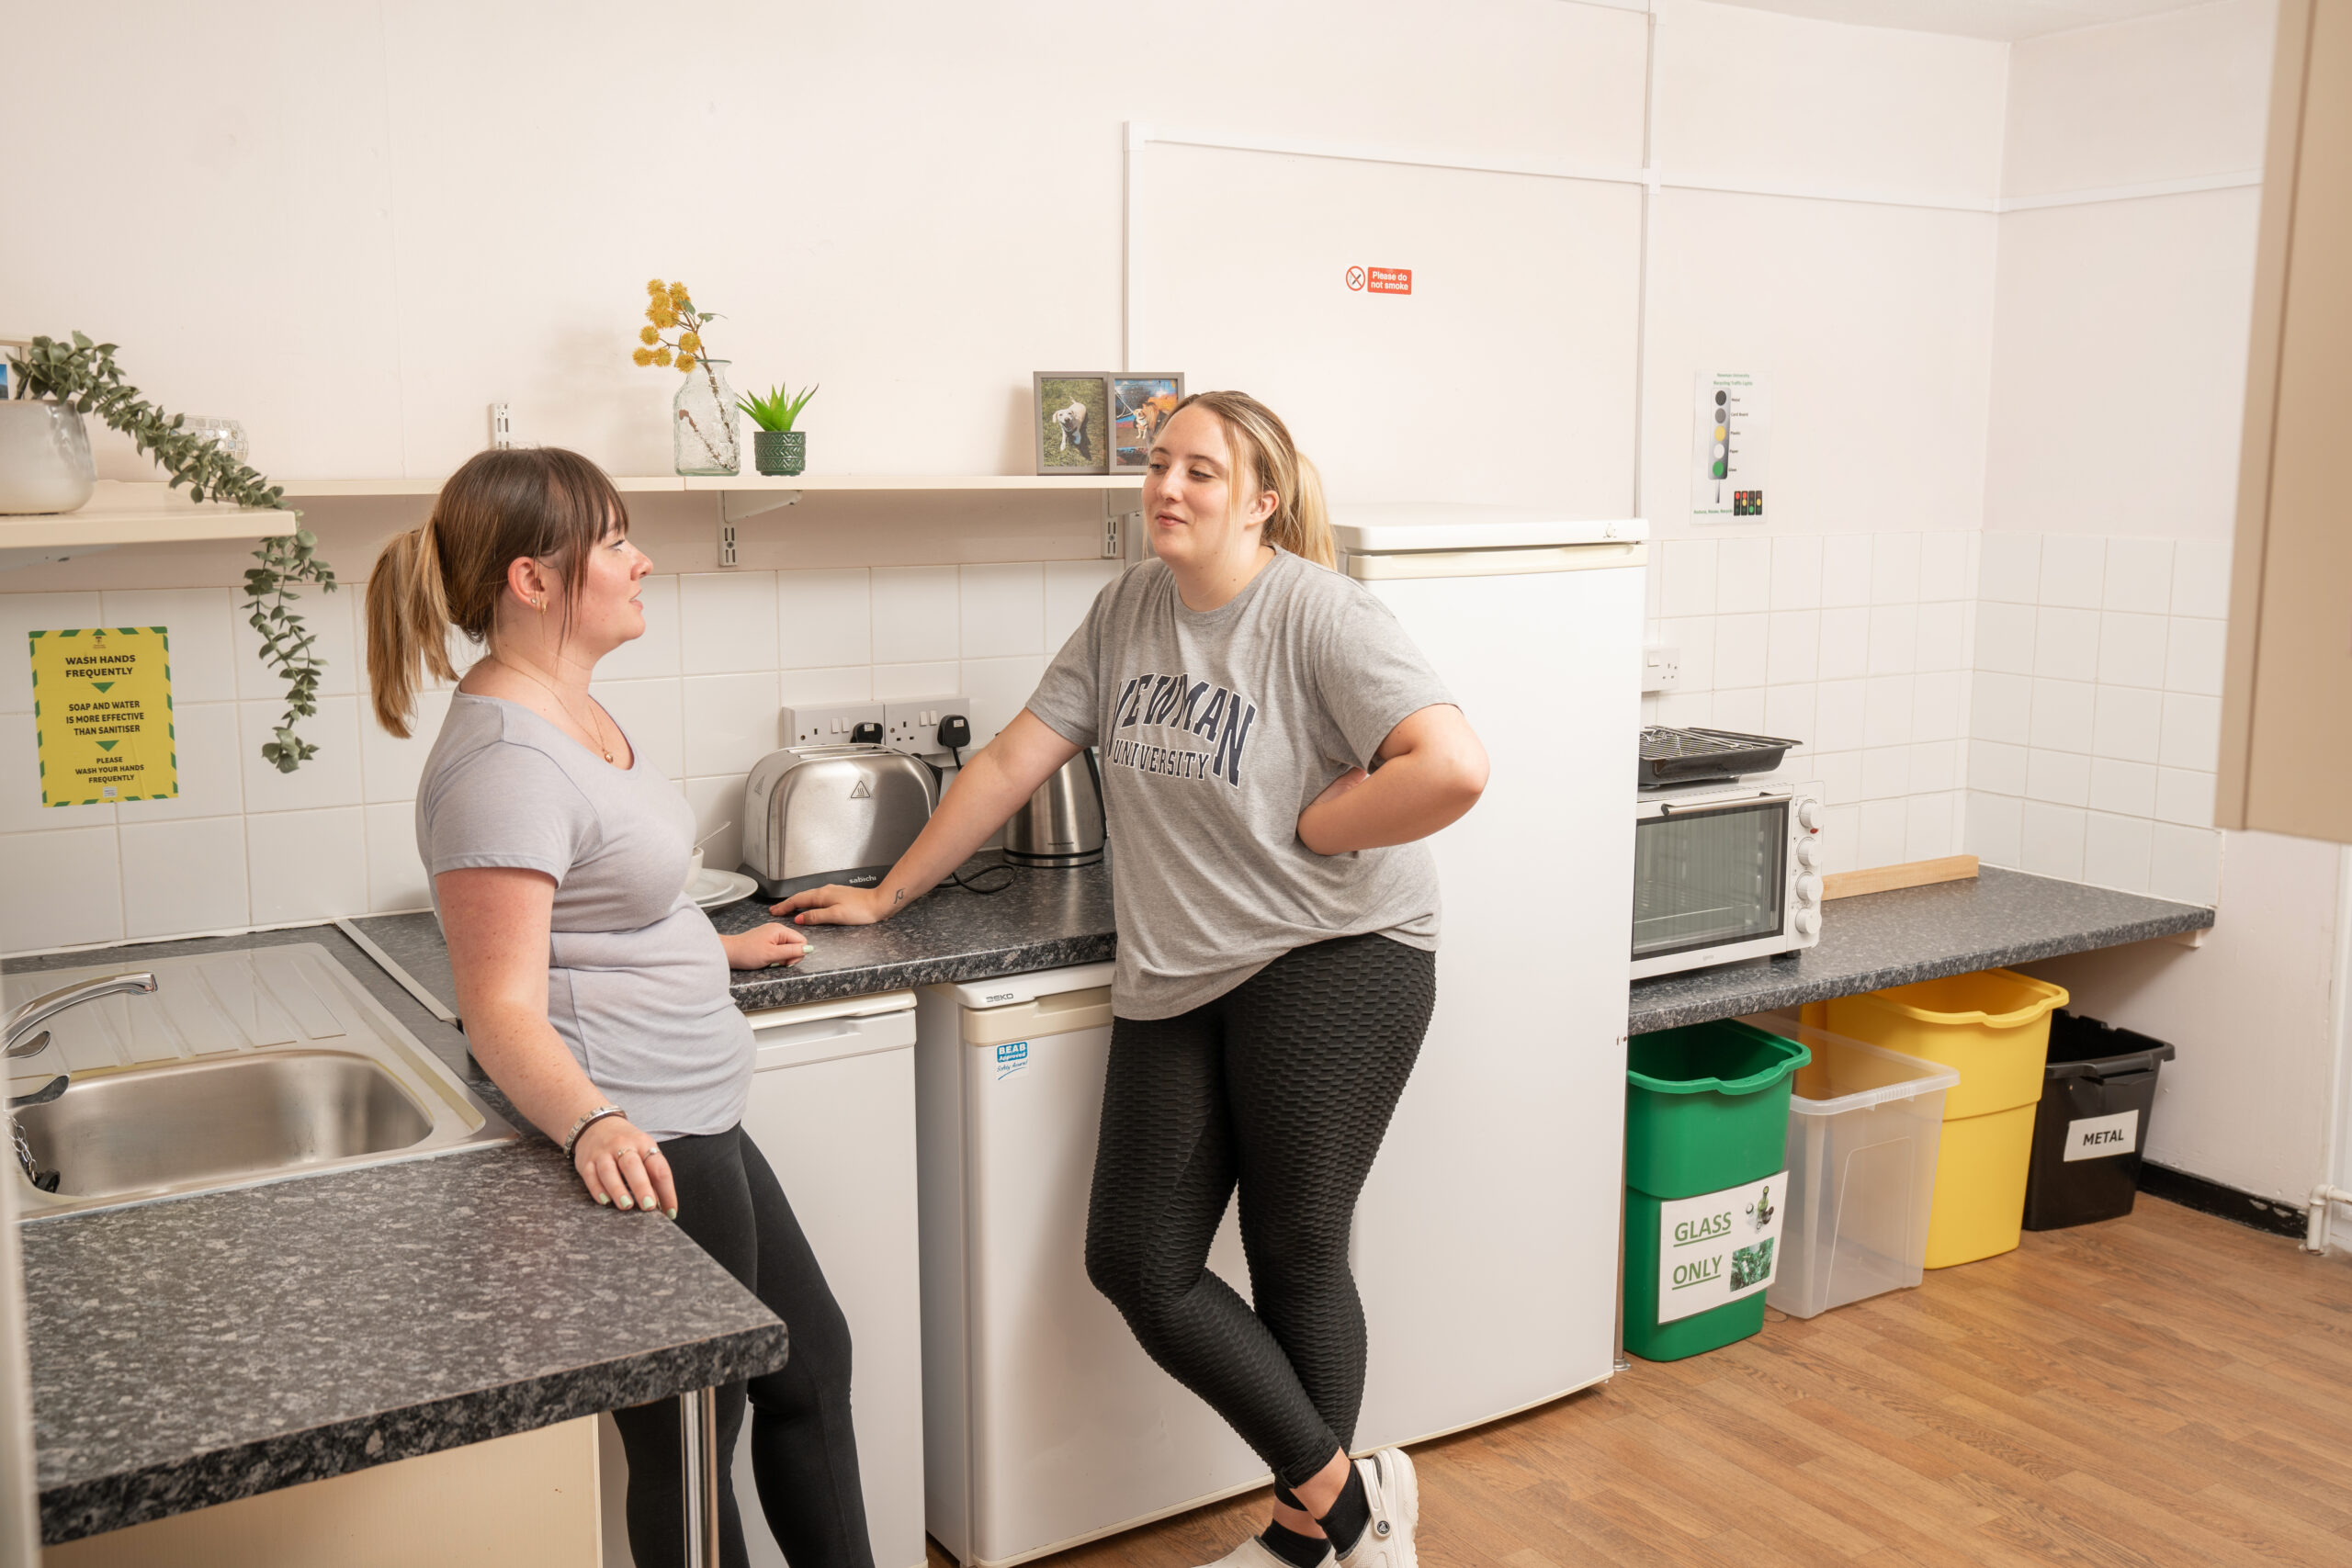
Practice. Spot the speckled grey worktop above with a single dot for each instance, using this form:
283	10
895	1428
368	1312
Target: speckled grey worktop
1917	933
188	1352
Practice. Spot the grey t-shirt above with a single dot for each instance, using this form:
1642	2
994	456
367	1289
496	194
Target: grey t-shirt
1217	728
636	979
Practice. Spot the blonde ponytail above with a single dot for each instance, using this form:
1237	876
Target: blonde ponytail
408	620
1301	522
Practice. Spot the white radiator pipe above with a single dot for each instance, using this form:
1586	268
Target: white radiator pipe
2324	1201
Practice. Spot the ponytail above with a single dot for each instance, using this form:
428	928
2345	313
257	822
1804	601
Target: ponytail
1301	522
408	620
1306	530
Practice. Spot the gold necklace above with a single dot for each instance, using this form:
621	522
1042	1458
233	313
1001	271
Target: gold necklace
592	728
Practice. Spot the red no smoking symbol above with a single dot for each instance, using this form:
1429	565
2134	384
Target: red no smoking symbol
1355	277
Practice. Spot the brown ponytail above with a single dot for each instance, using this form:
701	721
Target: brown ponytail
1260	441
543	503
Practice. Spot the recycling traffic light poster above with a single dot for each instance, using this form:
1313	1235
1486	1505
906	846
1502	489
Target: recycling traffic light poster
102	713
1731	435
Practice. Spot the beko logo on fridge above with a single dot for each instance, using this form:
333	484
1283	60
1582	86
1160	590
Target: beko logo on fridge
1012	1058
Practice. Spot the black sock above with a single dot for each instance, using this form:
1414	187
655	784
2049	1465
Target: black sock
1289	1499
1350	1517
1302	1551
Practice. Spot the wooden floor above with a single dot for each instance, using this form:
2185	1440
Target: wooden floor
2164	1388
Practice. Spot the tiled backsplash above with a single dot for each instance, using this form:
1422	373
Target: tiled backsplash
244	844
2096	719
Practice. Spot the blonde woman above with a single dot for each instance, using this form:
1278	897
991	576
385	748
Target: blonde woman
595	992
1277	927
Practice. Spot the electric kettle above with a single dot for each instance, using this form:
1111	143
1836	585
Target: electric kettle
1061	825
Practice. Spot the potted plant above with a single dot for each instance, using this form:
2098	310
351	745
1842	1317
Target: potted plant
776	448
702	416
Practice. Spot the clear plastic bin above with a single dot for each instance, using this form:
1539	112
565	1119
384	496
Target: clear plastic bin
1865	1128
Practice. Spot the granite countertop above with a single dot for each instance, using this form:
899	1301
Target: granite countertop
188	1352
1917	933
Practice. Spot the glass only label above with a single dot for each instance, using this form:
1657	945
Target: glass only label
1724	1246
2096	1137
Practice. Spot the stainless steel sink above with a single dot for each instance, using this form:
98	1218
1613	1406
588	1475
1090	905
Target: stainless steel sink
240	1069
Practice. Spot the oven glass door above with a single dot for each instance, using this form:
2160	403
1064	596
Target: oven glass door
1709	877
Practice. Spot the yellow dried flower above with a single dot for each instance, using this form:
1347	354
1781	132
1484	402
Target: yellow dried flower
663	318
656	287
678	296
643	357
686	362
650	334
660	356
691	342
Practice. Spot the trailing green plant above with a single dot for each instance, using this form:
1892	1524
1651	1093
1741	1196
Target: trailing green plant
83	376
778	409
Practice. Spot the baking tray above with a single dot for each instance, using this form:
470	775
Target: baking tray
1677	756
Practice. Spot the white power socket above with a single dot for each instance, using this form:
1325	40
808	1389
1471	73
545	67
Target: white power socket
912	724
828	724
1661	666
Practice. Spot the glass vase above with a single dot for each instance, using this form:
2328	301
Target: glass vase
704	439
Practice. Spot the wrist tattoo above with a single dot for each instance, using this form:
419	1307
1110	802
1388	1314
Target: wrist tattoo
898	897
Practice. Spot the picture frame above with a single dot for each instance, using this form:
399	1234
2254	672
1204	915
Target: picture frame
1140	402
1070	421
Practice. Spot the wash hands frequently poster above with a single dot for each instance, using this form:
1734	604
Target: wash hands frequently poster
102	714
1731	436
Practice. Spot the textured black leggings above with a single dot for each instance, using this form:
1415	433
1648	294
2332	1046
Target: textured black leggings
804	1453
1284	1085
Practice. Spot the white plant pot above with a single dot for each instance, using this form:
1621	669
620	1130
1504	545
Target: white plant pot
44	457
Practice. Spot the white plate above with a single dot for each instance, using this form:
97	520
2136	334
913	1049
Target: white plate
712	888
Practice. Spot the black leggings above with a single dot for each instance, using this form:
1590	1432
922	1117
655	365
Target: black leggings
1285	1085
804	1453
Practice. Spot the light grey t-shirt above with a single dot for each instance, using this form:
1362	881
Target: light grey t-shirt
636	979
1217	728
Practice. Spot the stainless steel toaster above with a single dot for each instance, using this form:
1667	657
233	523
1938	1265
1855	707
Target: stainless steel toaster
818	813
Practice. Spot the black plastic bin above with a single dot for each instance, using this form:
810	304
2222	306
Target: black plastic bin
2097	1093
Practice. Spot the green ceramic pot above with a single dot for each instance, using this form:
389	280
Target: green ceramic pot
780	452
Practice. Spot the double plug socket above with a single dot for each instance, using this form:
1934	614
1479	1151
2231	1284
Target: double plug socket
909	725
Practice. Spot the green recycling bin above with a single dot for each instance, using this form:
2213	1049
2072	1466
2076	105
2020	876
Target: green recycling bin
1706	1139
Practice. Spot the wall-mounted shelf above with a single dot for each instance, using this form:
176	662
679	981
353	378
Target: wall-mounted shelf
123	512
750	484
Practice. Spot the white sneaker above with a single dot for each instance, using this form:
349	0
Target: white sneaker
1395	1496
1255	1553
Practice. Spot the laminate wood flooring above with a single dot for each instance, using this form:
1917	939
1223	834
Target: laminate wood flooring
2165	1389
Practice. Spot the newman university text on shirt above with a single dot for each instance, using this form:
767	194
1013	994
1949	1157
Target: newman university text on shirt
1217	728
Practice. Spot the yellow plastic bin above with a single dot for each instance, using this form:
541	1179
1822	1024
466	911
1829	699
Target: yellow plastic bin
1992	1027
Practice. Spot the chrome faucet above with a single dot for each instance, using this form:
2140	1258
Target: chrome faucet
21	1021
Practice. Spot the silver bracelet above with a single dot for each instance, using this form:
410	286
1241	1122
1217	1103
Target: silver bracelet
572	1139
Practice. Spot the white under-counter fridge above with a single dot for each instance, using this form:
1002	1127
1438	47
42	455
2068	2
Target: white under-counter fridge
1486	1241
832	1108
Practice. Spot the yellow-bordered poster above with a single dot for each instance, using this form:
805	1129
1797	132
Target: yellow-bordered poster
102	713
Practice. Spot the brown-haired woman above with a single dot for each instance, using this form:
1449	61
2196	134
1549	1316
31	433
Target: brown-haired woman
595	992
1277	925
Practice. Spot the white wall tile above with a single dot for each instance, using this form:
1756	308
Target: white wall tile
2063	715
2186	863
719	819
1680	709
1689	578
2200	578
649	712
1653	585
2127	789
184	876
727	622
2074	570
21	810
330	778
1935	765
1894	639
206	740
1001	608
2185	797
1845	643
655	651
2130	724
2000	707
2192	732
2065	644
308	866
915	613
1997	767
1742	710
1887	711
1931	831
1943	636
2050	839
2005	637
390	768
1743	576
1841	838
849	684
1886	833
825	618
2193	655
2062	778
1840	774
22	612
896	683
64	887
203	636
396	879
1796	572
1943	565
732	721
2131	648
1894	569
1936	711
2139	576
1788	711
1840	715
1794	647
999	688
1695	635
1741	649
2116	851
1993	828
1845	570
1886	772
334	627
1072	586
2009	568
